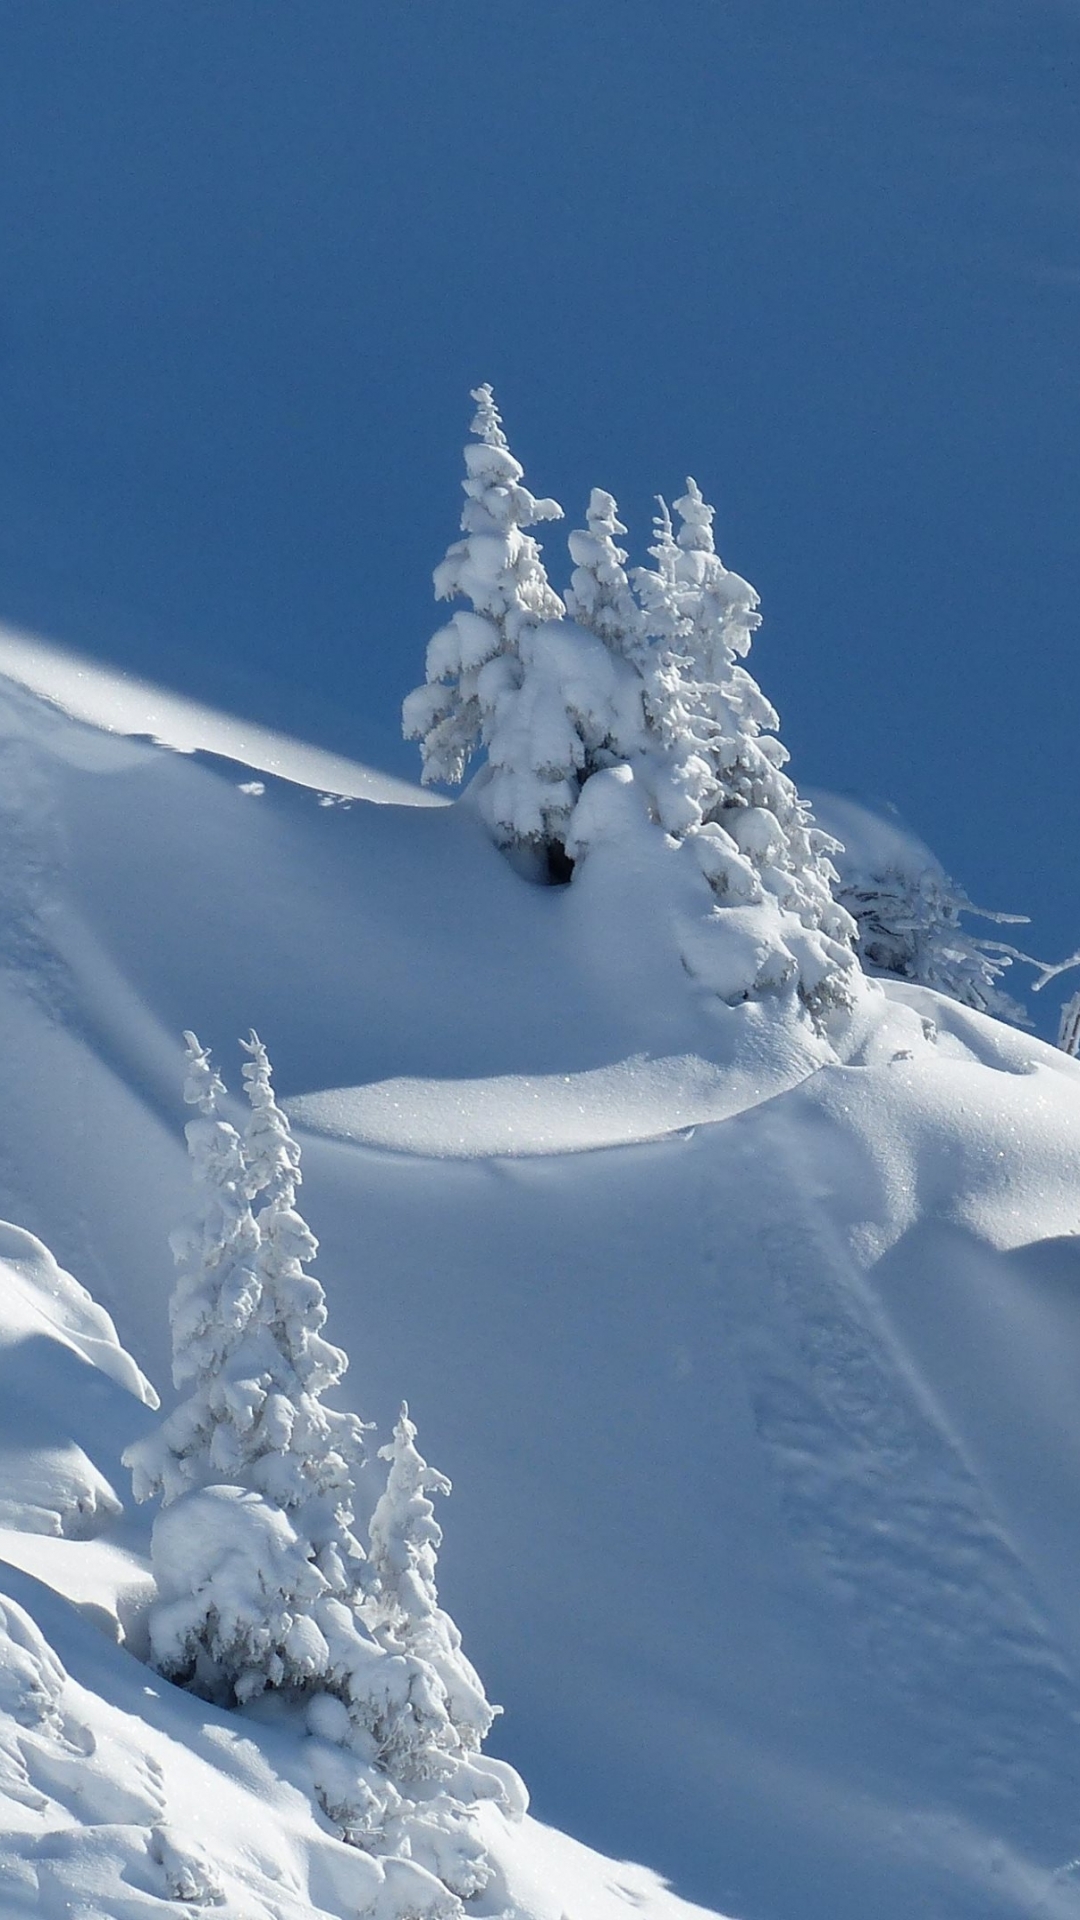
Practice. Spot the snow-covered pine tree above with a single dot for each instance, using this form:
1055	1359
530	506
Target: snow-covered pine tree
218	1351
498	569
302	1454
512	674
714	773
406	1616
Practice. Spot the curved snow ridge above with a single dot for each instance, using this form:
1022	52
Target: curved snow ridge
37	1290
635	1100
119	703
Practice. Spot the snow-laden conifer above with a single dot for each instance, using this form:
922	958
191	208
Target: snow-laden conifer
302	1455
511	674
405	1538
677	767
719	759
218	1349
497	568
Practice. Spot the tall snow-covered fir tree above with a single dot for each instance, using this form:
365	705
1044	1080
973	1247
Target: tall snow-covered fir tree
715	772
498	569
218	1351
405	1540
303	1455
247	1339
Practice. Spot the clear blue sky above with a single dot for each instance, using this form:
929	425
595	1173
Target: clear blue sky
823	254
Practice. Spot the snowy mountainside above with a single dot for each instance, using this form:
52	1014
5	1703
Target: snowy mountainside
752	1366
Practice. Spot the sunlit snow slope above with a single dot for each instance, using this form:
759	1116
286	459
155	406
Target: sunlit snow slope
754	1370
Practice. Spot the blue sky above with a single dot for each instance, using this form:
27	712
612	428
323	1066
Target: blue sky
823	254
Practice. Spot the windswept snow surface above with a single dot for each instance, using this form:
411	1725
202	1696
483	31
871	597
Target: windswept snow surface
121	703
761	1412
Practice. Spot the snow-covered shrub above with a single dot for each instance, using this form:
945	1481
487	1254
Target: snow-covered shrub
910	914
406	1616
909	924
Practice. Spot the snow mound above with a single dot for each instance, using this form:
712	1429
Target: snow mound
118	703
59	1357
121	1796
637	1099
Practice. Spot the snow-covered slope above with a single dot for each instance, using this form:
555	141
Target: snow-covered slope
753	1368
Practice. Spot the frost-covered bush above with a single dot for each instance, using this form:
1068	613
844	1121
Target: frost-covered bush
909	924
406	1616
910	914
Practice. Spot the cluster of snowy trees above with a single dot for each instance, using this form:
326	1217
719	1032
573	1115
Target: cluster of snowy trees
627	701
625	705
263	1583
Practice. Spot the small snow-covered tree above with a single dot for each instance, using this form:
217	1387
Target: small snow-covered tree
600	597
407	1618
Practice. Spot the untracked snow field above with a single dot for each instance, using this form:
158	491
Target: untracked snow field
754	1367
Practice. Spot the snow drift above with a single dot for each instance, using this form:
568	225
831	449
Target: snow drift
752	1361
